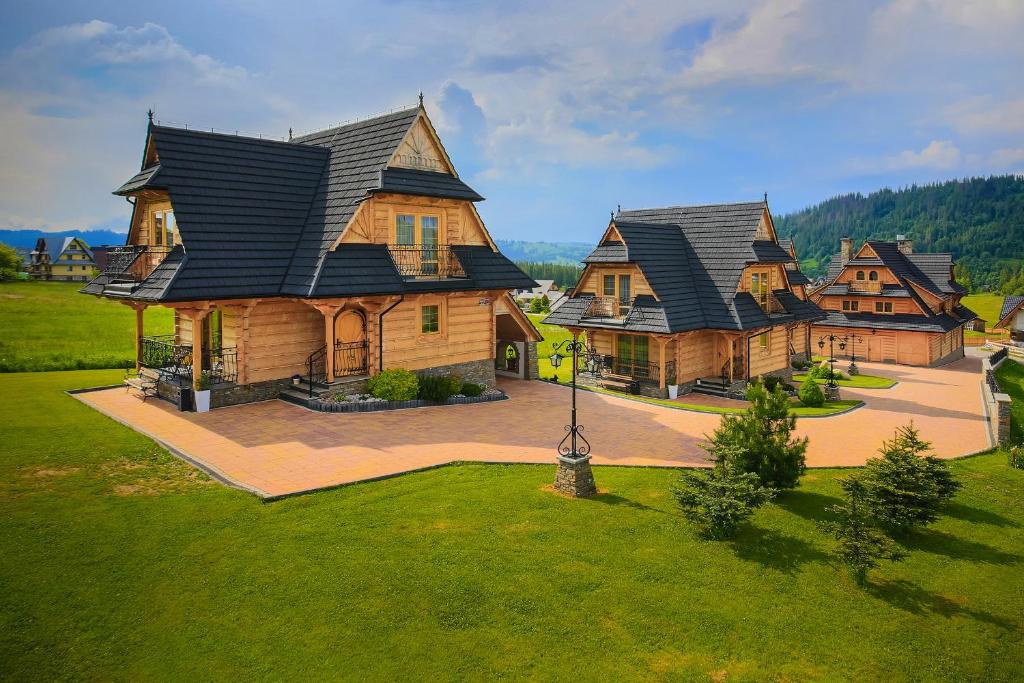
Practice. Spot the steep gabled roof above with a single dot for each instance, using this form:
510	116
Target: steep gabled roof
930	271
260	217
1011	305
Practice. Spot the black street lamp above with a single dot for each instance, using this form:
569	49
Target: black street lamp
853	339
831	384
574	476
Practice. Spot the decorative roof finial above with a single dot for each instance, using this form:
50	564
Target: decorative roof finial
765	197
150	115
620	208
421	99
289	133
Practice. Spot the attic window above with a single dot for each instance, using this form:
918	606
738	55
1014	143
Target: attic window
163	228
873	276
860	274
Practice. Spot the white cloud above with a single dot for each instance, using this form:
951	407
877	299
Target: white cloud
938	154
986	116
1008	159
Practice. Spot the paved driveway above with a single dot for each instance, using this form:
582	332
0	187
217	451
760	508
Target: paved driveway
274	448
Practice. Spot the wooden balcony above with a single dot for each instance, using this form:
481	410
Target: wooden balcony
128	266
432	261
607	308
868	286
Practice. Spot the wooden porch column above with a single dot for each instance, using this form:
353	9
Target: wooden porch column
329	312
661	362
197	316
139	332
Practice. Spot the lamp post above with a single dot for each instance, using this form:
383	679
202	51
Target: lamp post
574	476
831	387
853	339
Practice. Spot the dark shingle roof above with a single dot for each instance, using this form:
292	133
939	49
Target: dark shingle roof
1010	304
894	321
425	184
796	308
931	271
797	278
609	252
769	252
260	217
146	178
843	289
692	258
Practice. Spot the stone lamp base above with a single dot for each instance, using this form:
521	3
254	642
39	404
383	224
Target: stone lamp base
574	477
831	392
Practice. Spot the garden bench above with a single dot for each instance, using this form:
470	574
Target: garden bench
145	385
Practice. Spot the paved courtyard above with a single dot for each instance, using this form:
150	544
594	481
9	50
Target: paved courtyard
275	448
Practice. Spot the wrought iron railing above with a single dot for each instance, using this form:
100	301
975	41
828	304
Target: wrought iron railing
607	307
159	352
350	358
133	263
426	261
638	369
316	368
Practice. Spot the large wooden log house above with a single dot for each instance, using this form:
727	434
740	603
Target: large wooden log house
702	297
331	256
897	306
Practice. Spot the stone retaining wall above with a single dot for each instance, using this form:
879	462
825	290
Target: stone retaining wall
476	371
997	402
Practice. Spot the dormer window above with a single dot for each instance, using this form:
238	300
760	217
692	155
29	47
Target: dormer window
163	228
860	274
873	276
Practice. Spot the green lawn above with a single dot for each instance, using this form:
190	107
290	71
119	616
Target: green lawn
552	334
857	381
119	562
50	326
1011	378
987	306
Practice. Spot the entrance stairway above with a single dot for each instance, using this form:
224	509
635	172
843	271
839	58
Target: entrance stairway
712	386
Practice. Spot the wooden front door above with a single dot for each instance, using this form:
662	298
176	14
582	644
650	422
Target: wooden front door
350	345
874	349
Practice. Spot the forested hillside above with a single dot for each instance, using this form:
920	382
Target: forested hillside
979	220
545	252
565	275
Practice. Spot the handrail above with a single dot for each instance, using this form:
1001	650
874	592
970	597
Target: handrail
316	365
426	261
133	263
608	307
644	371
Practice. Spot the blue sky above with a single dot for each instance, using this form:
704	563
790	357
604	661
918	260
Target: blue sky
556	112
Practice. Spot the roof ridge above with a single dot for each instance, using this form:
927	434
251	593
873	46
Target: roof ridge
694	206
238	135
352	124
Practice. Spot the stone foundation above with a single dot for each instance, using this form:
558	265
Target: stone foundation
997	403
575	477
476	371
532	371
236	394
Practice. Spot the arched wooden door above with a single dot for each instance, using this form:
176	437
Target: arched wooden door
350	344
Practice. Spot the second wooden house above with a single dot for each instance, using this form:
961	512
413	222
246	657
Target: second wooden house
701	297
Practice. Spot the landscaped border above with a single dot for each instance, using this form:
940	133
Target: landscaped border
799	377
325	406
693	408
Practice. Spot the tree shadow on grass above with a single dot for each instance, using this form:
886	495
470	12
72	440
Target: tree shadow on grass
969	514
941	543
614	499
910	597
775	550
808	504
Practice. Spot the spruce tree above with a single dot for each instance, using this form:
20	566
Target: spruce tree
860	544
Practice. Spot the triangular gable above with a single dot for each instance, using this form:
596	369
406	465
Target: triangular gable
925	297
866	251
421	149
508	305
1007	320
766	227
611	234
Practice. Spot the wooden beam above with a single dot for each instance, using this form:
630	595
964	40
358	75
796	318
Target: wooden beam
661	362
139	331
197	315
328	311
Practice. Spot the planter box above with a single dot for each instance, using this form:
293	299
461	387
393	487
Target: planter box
360	407
201	399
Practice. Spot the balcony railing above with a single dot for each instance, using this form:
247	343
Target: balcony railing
870	286
426	261
638	369
163	354
133	263
608	307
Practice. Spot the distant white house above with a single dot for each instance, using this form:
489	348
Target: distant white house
1011	318
546	288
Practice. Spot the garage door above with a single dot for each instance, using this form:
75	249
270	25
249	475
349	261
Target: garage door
913	348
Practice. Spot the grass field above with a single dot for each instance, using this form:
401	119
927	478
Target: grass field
119	562
552	335
855	381
1011	378
987	306
50	326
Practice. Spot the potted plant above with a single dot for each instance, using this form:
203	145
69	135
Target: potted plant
202	393
673	391
296	379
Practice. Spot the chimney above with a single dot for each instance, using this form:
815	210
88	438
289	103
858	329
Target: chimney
904	245
845	250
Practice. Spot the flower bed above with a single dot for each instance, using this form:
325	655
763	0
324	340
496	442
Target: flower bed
363	403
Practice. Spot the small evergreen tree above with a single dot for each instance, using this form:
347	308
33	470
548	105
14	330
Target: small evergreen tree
545	304
811	394
904	488
860	544
536	305
759	440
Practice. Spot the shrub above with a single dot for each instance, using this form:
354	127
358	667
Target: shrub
905	489
861	545
800	364
471	389
772	381
439	388
823	372
10	262
394	385
719	500
1016	457
759	440
810	393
